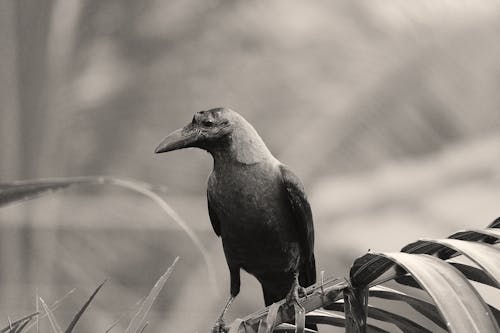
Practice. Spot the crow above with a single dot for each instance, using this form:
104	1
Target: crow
257	206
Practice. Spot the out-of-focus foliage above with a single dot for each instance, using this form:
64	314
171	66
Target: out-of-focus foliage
350	84
14	192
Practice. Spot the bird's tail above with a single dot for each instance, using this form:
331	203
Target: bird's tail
307	272
307	277
276	287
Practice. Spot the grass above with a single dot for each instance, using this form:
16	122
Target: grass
137	324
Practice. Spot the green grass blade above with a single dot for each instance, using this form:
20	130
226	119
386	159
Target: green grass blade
137	322
78	315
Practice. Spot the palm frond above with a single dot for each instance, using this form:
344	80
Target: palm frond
19	191
446	298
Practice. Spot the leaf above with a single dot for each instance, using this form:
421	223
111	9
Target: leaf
144	327
28	189
367	268
289	328
78	315
330	319
474	274
456	299
22	326
485	256
495	224
267	325
318	295
25	190
236	326
496	313
477	234
123	314
426	309
52	319
300	318
139	318
355	309
421	246
18	322
326	318
52	308
403	323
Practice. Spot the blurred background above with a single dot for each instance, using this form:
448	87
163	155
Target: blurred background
388	110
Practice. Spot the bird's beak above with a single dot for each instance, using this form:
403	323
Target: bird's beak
181	138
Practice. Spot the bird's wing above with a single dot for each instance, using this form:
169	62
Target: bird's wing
213	217
301	210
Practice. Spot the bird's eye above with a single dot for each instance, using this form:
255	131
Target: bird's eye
207	123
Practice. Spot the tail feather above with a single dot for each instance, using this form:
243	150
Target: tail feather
307	277
307	272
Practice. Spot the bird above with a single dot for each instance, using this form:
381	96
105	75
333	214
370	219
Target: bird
256	205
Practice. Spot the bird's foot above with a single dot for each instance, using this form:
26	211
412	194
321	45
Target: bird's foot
219	327
302	292
292	298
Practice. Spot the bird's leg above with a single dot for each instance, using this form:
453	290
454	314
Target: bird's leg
293	294
219	324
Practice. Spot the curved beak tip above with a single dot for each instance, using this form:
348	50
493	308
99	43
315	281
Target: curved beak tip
163	147
178	139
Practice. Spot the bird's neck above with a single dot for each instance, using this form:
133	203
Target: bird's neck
241	148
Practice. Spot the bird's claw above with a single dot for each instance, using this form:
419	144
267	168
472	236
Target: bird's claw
293	296
219	327
302	292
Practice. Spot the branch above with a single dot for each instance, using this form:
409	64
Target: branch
318	296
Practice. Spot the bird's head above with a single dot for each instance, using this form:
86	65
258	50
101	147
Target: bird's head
207	129
220	131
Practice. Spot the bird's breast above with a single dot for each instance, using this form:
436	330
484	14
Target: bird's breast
255	217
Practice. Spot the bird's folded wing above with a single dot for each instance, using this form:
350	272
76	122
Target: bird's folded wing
301	210
213	217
